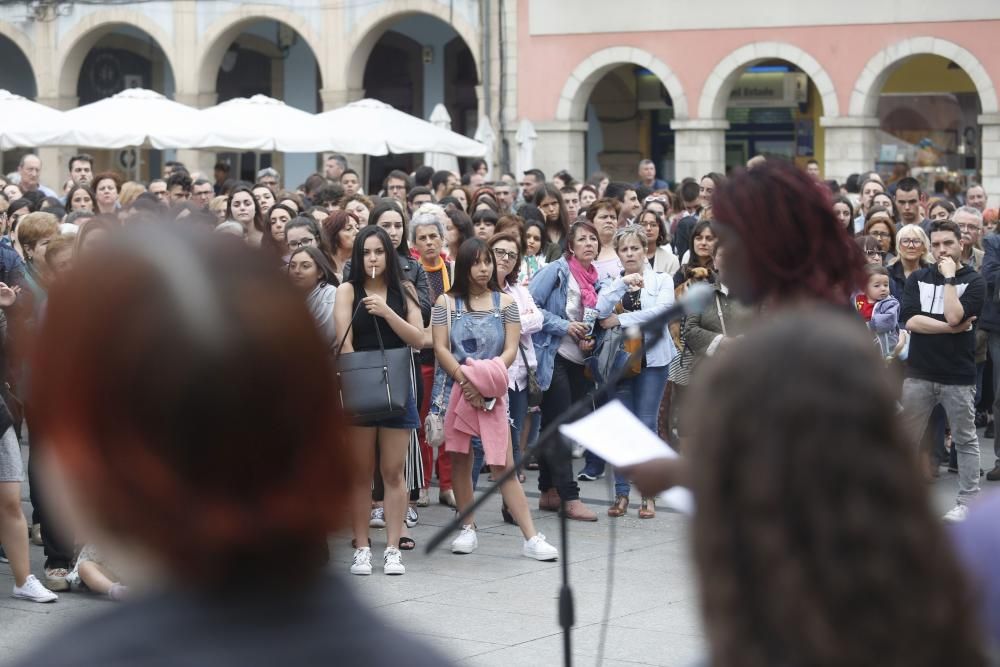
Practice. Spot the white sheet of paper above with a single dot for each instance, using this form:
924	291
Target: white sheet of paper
618	437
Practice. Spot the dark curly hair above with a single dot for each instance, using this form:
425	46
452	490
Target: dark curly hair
785	226
804	556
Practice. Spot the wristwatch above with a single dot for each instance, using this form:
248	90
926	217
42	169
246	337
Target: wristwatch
949	281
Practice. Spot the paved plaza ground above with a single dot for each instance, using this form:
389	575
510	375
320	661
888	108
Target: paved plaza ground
495	607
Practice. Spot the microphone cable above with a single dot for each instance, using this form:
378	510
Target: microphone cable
610	579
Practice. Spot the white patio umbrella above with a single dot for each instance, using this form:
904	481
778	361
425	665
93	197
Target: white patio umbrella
371	127
526	138
133	117
487	137
27	123
259	123
441	161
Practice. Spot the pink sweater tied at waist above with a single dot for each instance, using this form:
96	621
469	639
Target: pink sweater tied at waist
462	421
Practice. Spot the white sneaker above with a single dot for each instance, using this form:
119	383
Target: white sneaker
466	542
362	563
378	517
539	549
34	591
392	561
411	516
956	514
578	451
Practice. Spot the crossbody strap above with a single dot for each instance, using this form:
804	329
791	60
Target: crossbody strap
718	307
447	305
378	333
340	346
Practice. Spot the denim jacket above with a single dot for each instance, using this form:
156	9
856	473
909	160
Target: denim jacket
657	296
548	288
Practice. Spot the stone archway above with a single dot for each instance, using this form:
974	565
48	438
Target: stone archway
864	96
221	34
23	44
576	91
715	93
86	33
375	23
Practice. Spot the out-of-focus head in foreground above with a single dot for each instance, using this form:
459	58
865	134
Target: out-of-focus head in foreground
183	398
814	537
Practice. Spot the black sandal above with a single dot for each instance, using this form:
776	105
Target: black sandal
406	544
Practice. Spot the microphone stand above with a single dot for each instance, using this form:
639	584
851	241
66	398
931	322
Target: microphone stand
553	446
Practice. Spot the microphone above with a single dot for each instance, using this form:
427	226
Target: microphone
694	301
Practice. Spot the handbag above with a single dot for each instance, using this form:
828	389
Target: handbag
377	381
614	350
434	421
534	389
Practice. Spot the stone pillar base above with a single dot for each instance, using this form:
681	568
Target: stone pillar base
850	145
55	159
334	98
990	128
699	147
560	145
199	163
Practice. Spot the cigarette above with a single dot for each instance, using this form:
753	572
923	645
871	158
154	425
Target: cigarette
373	272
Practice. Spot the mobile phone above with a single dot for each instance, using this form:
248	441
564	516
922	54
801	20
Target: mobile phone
489	403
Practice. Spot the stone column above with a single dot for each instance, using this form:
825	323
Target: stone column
55	159
197	160
990	129
560	145
699	147
850	145
334	98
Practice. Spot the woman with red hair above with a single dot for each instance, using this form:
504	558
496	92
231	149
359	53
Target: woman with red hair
784	247
783	241
157	417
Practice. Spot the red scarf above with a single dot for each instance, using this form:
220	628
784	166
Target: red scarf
585	278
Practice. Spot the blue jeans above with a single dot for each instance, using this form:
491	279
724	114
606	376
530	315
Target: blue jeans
518	410
518	401
641	395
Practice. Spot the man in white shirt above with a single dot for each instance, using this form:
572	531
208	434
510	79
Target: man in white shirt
30	169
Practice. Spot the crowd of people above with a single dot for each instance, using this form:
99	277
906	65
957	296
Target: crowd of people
503	293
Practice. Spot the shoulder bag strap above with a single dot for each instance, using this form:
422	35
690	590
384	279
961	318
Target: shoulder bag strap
341	345
718	307
447	305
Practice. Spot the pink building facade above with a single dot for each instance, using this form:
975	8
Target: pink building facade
698	51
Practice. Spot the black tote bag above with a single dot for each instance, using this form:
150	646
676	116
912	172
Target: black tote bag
374	384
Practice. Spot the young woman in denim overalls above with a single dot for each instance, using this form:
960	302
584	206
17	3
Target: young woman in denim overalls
484	324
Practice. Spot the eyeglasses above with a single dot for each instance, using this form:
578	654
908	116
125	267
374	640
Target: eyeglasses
880	235
874	253
969	227
500	253
910	242
307	241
